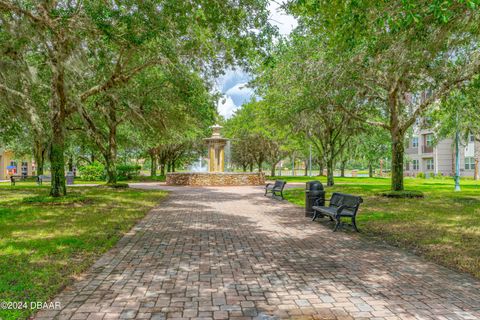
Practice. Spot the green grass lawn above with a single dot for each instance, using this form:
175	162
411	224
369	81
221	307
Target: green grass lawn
44	242
443	227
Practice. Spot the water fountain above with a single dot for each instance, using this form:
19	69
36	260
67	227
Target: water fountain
198	166
216	175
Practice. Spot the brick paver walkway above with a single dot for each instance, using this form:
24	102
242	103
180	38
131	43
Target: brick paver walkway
230	253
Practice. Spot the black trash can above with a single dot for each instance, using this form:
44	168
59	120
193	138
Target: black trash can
313	192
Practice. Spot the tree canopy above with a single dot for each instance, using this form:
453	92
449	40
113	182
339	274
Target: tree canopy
94	65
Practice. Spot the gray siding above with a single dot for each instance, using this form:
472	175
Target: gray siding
443	156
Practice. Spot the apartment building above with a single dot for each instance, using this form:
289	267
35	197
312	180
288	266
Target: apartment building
10	165
426	155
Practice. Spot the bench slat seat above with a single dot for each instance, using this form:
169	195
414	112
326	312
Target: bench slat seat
341	205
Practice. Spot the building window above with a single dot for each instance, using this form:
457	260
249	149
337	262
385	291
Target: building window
414	142
471	138
469	163
24	168
429	140
430	165
415	164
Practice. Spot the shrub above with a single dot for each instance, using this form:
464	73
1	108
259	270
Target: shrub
401	194
128	171
421	175
92	172
118	185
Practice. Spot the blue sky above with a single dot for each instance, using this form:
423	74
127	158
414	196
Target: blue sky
233	83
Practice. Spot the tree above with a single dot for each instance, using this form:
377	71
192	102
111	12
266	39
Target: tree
373	145
255	138
135	36
24	100
304	94
459	111
241	153
401	58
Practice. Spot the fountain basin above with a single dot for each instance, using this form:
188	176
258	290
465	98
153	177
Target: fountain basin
215	178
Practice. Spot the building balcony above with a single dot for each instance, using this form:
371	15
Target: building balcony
427	149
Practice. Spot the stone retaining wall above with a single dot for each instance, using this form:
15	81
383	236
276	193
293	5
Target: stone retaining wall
216	178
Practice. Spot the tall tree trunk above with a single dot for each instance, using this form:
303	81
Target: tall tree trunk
260	165
162	169
244	167
111	154
273	169
111	163
39	155
476	146
398	149
169	166
251	166
153	164
475	174
305	172
320	168
111	168
57	146
173	165
342	168
70	164
330	168
57	160
370	170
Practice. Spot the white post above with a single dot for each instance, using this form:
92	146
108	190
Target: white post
310	161
293	165
457	158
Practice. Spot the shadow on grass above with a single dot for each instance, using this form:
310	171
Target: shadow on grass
45	240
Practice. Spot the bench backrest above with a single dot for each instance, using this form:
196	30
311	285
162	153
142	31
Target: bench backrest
343	199
45	178
279	184
23	177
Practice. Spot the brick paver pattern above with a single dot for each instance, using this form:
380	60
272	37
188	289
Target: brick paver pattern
230	253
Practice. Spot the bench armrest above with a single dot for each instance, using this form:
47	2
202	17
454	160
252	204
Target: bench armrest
267	185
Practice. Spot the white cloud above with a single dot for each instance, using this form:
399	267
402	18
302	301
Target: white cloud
239	88
233	86
230	79
226	107
232	83
285	22
240	93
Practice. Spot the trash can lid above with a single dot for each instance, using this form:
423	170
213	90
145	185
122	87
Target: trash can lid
314	185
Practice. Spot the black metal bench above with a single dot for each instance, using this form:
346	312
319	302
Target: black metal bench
341	205
23	178
275	188
44	178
